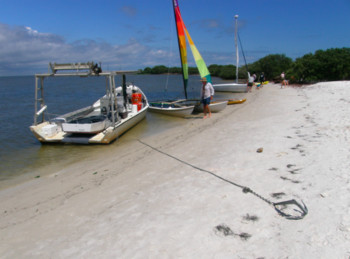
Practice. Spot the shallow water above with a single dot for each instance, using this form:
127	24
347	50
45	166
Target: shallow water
21	153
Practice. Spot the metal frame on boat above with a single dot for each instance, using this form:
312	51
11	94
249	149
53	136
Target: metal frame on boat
102	122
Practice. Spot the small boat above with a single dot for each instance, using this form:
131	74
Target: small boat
176	108
110	116
182	108
215	106
236	101
231	87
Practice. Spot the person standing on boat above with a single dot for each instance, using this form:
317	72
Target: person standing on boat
207	95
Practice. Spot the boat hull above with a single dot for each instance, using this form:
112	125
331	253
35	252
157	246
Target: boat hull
236	101
178	108
94	124
232	87
106	136
177	112
214	106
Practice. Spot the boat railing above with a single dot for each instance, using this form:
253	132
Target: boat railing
82	69
90	67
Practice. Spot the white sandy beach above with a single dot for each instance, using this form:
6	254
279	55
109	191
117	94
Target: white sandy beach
141	203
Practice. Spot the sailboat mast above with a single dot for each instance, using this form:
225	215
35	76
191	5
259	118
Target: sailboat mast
237	56
176	6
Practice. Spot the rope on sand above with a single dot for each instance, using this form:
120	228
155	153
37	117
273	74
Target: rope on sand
279	206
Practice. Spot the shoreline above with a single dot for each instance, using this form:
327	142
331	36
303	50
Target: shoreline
146	203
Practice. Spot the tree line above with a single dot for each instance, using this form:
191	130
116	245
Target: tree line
323	65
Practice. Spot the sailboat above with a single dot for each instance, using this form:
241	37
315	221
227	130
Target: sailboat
233	87
185	107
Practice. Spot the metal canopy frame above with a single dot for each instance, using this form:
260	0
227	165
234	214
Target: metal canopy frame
89	69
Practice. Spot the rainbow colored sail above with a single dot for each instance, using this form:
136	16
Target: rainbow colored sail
182	43
182	33
202	67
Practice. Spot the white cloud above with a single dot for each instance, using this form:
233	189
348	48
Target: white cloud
24	50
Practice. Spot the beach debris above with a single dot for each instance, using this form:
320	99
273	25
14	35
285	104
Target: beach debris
95	173
324	194
285	209
38	176
224	230
296	147
294	171
278	195
260	150
287	179
248	217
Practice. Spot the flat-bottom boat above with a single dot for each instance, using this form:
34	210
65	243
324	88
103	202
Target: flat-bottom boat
179	108
231	87
216	106
110	116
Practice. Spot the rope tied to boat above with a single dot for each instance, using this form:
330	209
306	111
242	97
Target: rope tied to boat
280	207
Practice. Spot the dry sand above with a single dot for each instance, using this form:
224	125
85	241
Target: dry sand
140	203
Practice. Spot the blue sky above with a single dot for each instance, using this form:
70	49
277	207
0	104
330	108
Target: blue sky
134	34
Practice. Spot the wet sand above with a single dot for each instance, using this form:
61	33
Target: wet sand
167	195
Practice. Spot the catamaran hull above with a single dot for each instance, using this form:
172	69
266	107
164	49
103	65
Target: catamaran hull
104	137
233	88
177	112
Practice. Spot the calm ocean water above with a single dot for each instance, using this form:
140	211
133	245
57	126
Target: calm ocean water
21	153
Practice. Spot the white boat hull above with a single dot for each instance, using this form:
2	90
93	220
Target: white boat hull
57	135
100	130
231	87
177	111
87	128
214	106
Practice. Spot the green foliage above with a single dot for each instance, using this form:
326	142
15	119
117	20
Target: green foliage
159	70
175	70
328	65
228	72
164	70
323	65
273	65
214	70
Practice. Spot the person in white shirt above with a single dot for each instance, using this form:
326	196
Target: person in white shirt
251	80
284	81
207	95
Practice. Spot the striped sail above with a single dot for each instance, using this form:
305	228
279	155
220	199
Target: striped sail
202	67
182	43
181	31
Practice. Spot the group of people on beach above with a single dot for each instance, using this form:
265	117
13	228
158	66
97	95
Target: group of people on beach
251	80
208	89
